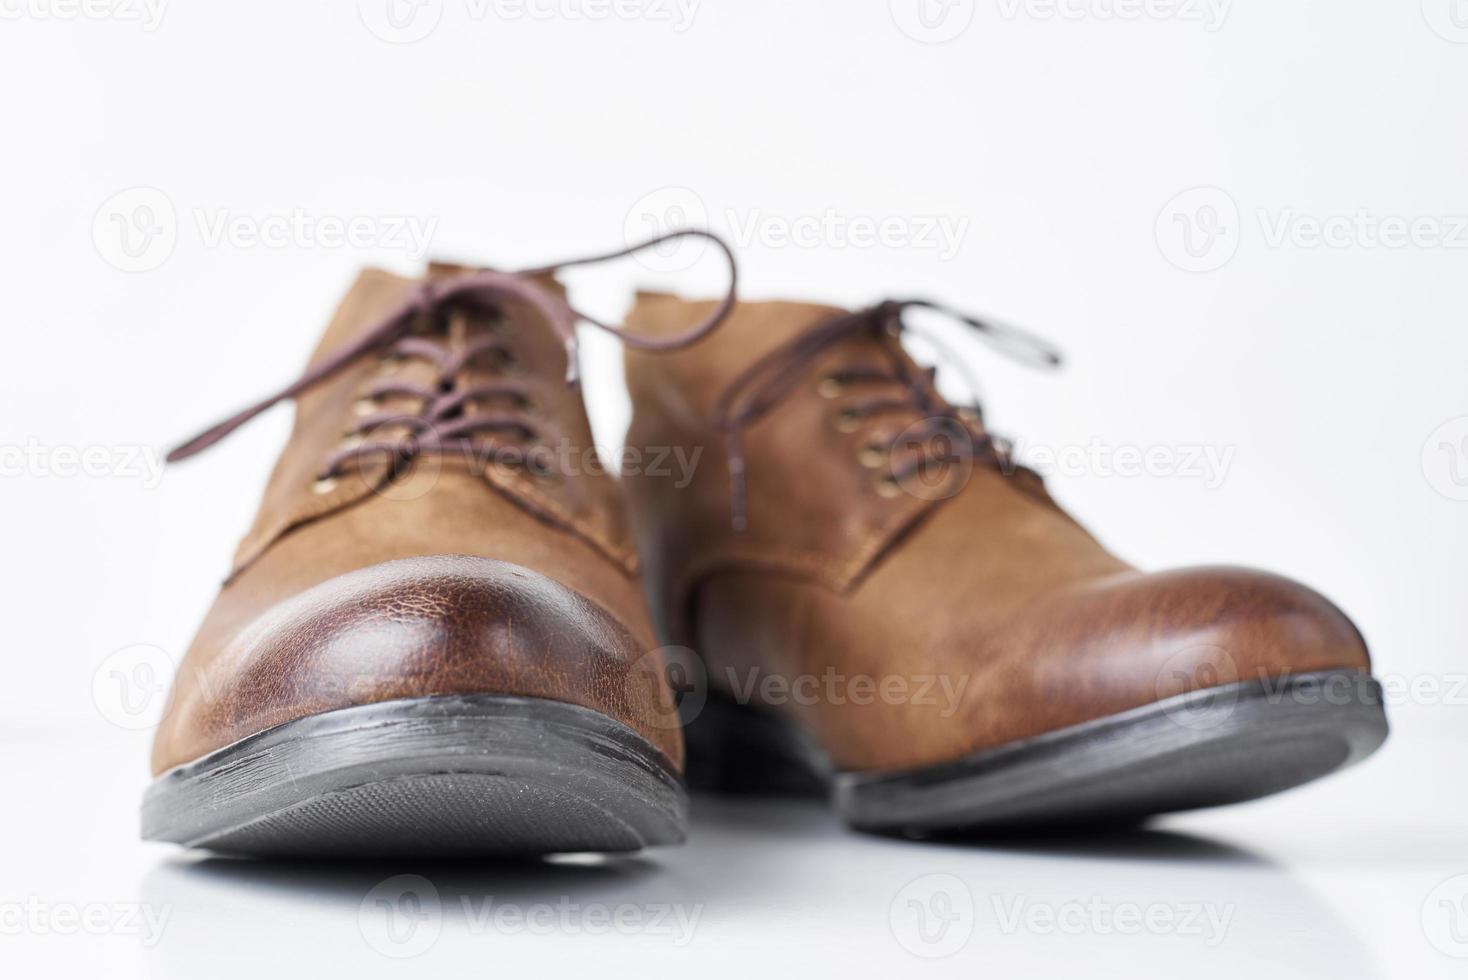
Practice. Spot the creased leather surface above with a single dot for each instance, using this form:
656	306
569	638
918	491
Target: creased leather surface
995	592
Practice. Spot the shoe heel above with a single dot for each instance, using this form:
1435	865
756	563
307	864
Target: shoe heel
740	751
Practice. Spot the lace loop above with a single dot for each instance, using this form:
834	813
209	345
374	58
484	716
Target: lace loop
636	341
762	385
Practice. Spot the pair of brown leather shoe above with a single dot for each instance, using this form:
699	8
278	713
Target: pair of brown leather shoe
436	637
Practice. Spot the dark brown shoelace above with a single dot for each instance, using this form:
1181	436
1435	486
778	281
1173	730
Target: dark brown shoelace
441	425
762	385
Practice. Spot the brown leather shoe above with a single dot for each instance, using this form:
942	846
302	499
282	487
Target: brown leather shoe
881	597
433	639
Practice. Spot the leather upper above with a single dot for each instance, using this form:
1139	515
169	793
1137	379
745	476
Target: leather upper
992	591
450	578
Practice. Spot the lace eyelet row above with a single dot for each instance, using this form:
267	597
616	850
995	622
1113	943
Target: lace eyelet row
506	362
874	454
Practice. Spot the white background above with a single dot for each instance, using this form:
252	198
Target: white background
1063	144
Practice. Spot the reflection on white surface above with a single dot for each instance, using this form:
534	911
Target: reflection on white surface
777	880
1342	879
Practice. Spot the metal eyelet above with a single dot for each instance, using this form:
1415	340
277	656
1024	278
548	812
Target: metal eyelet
872	455
537	467
848	420
888	486
830	387
324	485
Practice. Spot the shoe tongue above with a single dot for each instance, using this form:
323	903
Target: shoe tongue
533	332
377	294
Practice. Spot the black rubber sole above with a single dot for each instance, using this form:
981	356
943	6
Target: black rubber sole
1222	745
460	776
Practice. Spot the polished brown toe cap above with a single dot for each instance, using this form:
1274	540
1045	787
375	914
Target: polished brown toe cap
419	627
1134	638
